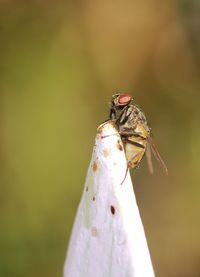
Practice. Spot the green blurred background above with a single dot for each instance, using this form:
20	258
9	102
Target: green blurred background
60	62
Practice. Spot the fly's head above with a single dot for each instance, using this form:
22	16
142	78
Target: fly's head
121	99
118	102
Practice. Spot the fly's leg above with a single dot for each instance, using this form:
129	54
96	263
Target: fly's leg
127	168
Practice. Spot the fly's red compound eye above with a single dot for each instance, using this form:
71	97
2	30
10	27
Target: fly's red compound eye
124	99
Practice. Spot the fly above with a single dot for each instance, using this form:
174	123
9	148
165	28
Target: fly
132	126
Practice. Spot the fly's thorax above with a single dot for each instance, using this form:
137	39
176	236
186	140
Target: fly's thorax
141	118
127	119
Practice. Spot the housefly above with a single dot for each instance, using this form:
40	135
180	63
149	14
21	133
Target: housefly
135	133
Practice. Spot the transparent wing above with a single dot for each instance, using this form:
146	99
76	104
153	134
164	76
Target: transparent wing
157	154
148	158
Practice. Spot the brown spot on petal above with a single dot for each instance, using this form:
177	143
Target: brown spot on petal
93	198
106	152
119	146
94	232
94	166
112	209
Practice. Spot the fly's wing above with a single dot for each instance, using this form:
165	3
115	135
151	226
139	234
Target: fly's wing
148	158
157	154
